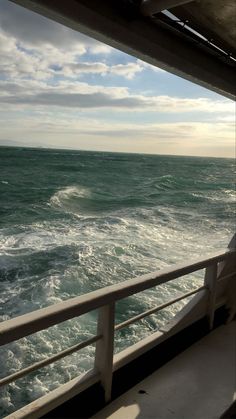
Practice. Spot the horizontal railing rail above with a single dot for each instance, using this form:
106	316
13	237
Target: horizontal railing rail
41	364
19	327
104	299
156	309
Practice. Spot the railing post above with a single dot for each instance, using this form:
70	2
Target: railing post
211	283
104	347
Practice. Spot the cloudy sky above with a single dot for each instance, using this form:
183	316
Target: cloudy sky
59	88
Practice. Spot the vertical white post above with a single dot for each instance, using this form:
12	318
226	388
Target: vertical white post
104	347
232	243
211	284
228	263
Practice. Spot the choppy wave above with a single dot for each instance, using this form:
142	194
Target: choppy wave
226	196
69	195
75	222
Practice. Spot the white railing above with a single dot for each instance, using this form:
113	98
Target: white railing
104	300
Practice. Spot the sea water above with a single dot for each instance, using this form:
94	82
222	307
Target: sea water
74	221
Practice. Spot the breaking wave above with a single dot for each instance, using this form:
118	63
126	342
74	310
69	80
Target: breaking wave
69	197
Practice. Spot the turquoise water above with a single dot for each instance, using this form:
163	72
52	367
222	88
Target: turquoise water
73	221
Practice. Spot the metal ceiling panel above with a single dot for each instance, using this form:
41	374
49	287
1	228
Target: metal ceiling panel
216	20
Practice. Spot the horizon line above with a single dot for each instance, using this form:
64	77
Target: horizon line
114	152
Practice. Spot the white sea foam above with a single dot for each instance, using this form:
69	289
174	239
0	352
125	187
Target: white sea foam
224	196
62	196
231	195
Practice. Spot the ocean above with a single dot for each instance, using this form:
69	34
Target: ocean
74	221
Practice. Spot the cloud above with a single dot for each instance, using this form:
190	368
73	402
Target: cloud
127	71
150	67
79	95
34	31
16	62
74	100
187	138
19	60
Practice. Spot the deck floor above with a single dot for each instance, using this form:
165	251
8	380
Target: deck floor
200	383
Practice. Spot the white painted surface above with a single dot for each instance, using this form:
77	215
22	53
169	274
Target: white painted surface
200	383
105	347
211	283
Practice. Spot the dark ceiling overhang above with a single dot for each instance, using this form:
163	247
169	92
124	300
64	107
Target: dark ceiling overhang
198	43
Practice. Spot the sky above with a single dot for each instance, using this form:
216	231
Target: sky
59	88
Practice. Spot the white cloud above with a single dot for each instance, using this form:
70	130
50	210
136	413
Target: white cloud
127	71
68	94
150	66
48	61
62	130
36	31
16	62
